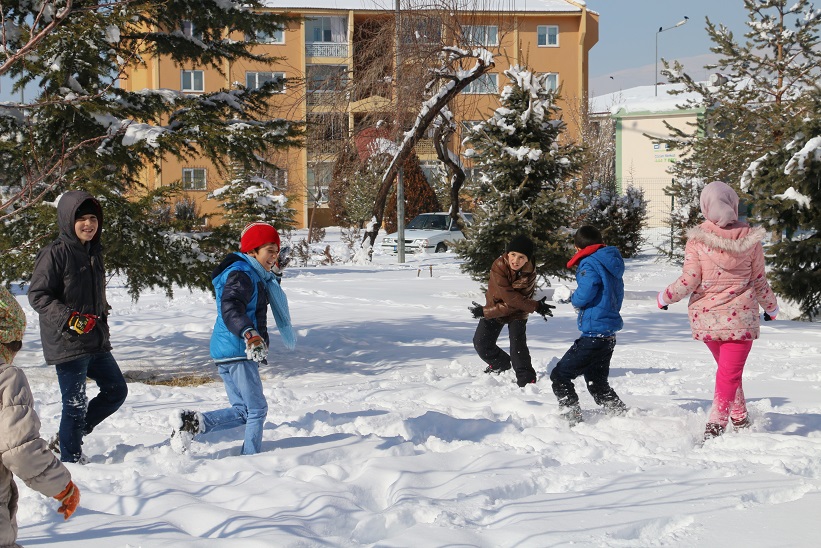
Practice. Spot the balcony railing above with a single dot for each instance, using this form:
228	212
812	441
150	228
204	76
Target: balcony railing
327	98
330	146
424	147
326	49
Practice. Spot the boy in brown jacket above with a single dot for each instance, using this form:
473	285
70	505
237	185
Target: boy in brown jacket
509	301
22	450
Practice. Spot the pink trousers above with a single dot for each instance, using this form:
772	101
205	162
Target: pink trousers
729	395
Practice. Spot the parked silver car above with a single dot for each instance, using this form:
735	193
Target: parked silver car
428	232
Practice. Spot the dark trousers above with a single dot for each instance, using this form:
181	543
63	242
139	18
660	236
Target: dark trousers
589	356
484	341
80	416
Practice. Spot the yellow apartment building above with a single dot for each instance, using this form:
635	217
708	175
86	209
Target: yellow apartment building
318	54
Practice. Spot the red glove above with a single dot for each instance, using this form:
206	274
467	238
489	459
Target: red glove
81	323
69	499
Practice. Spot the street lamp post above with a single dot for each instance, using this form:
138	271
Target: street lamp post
661	29
400	183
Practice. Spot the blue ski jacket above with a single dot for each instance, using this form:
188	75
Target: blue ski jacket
242	304
600	293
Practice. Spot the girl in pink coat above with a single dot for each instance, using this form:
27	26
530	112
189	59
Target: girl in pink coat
724	275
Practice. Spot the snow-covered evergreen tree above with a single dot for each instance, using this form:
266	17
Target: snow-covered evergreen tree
620	218
786	187
527	179
81	131
758	87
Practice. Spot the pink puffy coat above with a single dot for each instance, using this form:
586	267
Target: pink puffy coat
724	275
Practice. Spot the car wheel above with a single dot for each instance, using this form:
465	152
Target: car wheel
441	248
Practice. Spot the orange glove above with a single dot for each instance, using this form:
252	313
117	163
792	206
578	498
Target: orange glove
81	323
69	498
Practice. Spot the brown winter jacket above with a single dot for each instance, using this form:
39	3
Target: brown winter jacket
724	275
510	294
22	451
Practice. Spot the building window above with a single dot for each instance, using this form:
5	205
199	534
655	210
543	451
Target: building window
279	178
552	80
421	29
193	80
190	31
254	80
548	35
481	35
327	126
486	83
277	37
193	178
319	179
326	29
327	77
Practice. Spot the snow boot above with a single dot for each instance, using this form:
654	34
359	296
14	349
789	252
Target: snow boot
741	424
614	408
185	425
497	370
572	413
713	430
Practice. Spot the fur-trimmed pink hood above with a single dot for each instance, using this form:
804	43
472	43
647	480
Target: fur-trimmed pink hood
736	238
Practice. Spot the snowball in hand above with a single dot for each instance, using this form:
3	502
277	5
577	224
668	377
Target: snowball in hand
562	294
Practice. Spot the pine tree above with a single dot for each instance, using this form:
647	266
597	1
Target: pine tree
756	91
82	132
419	196
786	187
526	184
620	218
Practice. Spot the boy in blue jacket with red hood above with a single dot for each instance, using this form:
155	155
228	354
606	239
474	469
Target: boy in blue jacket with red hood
598	300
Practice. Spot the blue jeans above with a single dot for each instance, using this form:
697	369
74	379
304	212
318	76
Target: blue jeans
248	404
80	416
589	356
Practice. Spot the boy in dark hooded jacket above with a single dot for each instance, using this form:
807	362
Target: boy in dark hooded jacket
67	290
598	299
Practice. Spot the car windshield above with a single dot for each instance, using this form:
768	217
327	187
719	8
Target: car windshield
429	222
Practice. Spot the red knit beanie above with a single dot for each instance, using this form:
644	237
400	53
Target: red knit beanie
257	234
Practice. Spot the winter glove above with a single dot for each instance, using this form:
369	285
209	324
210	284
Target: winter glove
769	316
660	301
544	309
81	323
284	257
562	294
477	310
69	499
254	346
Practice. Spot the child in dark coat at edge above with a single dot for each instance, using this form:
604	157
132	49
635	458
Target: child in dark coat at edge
509	301
22	451
245	283
598	299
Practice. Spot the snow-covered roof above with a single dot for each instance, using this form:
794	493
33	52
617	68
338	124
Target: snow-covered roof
531	6
641	99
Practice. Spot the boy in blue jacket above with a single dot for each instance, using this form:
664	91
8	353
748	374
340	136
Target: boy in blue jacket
597	299
246	283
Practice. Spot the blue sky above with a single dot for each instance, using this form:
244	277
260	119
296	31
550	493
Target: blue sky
627	38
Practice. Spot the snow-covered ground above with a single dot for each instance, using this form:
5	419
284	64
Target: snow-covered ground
383	431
